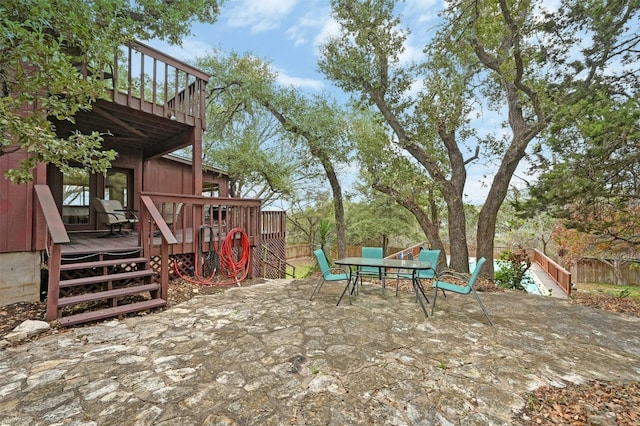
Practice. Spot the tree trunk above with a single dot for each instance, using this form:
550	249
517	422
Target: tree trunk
430	225
338	205
458	236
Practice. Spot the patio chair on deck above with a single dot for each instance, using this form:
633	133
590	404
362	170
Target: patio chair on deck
430	256
111	213
327	272
170	212
466	289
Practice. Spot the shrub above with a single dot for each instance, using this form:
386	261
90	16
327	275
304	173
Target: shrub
511	270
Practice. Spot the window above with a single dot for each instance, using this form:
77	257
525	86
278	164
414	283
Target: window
116	187
75	197
210	189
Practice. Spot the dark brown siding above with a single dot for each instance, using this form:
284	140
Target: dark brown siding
162	175
17	209
175	177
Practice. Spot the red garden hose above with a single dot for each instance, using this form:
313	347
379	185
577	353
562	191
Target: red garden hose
235	270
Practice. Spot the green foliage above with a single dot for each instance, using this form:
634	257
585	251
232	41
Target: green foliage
43	43
511	271
591	179
324	228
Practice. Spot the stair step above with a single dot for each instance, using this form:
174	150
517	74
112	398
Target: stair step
111	251
107	294
111	312
103	263
104	278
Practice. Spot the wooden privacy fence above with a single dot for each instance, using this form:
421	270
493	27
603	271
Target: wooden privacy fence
298	251
595	271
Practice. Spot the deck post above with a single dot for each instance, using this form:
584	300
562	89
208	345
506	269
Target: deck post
164	270
53	284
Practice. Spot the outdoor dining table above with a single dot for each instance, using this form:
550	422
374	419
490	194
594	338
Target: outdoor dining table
383	264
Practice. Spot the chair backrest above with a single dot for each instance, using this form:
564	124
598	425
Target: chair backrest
430	256
323	263
373	253
110	210
476	272
170	212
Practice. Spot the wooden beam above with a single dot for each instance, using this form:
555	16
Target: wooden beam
117	121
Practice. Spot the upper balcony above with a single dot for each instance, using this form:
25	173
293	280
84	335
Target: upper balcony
151	102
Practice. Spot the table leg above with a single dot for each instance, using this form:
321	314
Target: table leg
347	287
416	286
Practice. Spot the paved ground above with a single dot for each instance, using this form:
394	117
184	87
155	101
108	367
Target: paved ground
267	355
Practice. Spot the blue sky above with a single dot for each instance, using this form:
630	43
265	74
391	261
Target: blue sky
287	33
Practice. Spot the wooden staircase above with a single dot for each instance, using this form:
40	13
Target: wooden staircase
95	286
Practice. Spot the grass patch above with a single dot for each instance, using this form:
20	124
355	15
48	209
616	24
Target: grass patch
303	267
611	289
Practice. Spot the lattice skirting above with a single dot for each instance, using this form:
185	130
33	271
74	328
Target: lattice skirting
185	262
92	272
270	263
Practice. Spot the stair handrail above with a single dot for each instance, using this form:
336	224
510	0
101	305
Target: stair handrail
280	260
57	235
150	215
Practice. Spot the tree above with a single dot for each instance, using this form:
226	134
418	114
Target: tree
492	55
480	43
308	219
376	219
397	177
364	61
591	181
43	42
252	151
576	245
314	125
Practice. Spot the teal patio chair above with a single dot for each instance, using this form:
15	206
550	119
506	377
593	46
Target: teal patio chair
466	289
327	272
430	256
371	271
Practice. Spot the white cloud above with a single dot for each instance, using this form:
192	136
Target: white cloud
422	10
259	15
299	82
329	29
190	50
410	54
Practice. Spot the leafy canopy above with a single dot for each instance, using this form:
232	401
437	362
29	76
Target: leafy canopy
42	44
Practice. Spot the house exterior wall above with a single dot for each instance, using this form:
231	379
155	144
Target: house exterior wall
163	175
19	218
19	277
175	177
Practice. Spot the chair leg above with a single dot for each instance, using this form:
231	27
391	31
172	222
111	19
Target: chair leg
419	284
435	297
317	287
473	290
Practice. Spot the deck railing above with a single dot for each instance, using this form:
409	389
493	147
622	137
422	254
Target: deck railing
56	236
185	215
145	79
560	275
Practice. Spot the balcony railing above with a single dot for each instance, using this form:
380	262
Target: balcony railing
146	79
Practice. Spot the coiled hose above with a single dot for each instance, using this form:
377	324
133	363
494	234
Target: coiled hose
233	270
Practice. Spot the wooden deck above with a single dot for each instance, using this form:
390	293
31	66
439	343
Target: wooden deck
98	242
83	243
